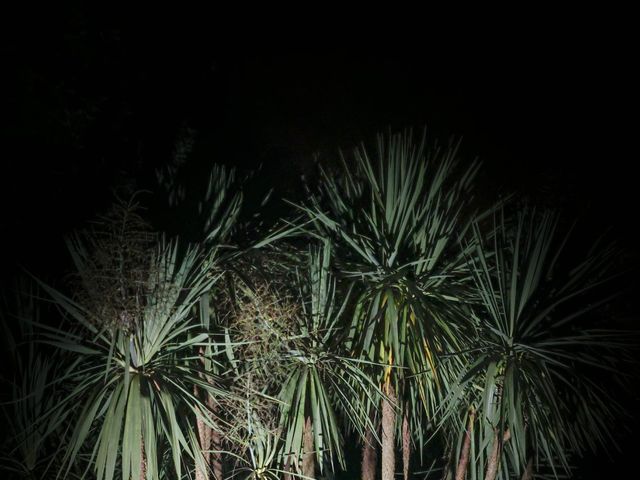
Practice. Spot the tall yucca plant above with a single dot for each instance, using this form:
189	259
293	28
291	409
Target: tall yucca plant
220	209
322	383
133	377
210	211
528	394
395	220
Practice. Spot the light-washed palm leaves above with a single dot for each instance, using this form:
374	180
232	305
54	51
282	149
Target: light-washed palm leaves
529	372
260	449
321	381
283	361
395	221
286	351
134	378
213	215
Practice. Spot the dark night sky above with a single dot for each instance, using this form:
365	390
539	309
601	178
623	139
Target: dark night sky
91	99
90	96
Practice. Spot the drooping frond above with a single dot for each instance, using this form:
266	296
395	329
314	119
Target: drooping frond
534	358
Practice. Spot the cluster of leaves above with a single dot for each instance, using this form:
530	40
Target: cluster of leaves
387	309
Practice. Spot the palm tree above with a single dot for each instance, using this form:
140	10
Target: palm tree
286	351
133	334
395	221
255	319
211	212
527	396
322	383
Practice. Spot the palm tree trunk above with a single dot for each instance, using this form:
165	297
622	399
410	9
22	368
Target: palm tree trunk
143	460
406	446
494	457
216	461
369	457
204	434
388	434
308	457
215	444
461	471
209	438
287	469
528	473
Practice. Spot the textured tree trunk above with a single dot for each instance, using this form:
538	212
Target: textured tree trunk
406	446
528	473
461	471
369	457
143	461
388	434
204	434
287	468
209	438
216	445
308	457
494	457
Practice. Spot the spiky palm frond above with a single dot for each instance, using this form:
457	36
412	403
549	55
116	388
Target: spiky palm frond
531	366
212	208
133	378
260	451
322	383
395	220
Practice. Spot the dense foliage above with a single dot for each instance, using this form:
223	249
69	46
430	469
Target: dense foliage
387	310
